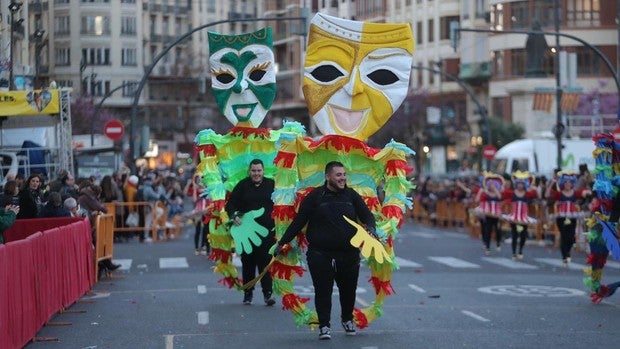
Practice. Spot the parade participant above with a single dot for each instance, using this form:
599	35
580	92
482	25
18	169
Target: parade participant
330	255
250	204
489	210
243	80
356	75
519	197
562	191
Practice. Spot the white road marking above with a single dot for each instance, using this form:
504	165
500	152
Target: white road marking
425	235
203	317
454	262
509	263
557	262
416	288
202	289
612	264
406	263
125	263
475	316
177	262
169	341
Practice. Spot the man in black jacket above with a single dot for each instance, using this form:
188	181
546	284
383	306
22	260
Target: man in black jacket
250	194
331	256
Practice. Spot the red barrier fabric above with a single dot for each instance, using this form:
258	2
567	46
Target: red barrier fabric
41	274
4	301
22	228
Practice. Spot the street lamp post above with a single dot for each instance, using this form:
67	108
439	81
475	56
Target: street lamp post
38	36
13	8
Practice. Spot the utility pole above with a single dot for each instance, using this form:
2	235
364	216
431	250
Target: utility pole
559	127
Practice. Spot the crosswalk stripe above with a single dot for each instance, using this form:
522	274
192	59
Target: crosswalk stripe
556	262
202	289
406	263
177	262
454	262
425	235
509	263
417	288
203	317
125	263
612	264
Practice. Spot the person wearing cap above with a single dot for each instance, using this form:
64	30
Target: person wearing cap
74	208
562	191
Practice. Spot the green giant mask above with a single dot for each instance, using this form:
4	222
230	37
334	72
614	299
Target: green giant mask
243	75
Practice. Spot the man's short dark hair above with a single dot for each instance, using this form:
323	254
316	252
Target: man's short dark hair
332	164
257	162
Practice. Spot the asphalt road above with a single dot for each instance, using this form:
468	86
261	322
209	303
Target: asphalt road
449	295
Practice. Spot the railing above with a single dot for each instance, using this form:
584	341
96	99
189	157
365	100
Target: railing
152	217
459	214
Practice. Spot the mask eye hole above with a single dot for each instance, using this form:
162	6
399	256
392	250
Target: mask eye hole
326	73
225	78
257	75
383	77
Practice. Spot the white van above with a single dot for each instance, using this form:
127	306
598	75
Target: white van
539	156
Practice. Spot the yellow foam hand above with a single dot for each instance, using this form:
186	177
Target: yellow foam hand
369	245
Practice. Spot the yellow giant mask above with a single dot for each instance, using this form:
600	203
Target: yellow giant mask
356	74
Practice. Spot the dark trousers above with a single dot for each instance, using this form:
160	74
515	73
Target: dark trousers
257	260
567	235
488	224
522	236
201	234
325	268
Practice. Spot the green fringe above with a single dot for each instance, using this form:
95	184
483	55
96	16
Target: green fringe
281	286
593	286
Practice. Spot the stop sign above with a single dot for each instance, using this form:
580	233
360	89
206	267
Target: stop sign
488	152
114	129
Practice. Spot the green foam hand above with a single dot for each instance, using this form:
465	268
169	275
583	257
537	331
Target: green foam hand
249	231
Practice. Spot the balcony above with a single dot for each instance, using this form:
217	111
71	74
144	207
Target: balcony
475	72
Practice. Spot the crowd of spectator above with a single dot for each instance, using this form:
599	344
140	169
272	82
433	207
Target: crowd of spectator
463	188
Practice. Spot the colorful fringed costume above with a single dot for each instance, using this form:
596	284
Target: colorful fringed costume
243	81
603	234
356	76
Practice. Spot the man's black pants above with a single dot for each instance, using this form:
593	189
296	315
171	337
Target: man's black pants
327	267
257	260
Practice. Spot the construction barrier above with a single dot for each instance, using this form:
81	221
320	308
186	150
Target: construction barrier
460	214
104	239
42	274
153	219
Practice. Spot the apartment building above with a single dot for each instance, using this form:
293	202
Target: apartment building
99	47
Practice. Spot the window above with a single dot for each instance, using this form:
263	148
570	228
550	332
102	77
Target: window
96	56
128	25
498	64
418	33
520	14
95	25
497	17
129	56
165	26
588	63
583	13
62	25
517	62
64	83
444	27
101	1
431	30
129	88
128	1
61	1
480	9
62	56
98	88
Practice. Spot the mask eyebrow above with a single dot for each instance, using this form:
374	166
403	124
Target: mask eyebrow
384	56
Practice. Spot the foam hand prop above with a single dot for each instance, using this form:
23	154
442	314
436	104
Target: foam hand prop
370	246
249	231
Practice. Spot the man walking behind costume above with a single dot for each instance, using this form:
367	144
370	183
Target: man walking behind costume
330	256
250	194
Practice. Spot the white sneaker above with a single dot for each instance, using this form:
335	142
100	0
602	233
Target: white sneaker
325	333
349	328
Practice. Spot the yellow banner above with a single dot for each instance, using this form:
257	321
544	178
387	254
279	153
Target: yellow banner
29	102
